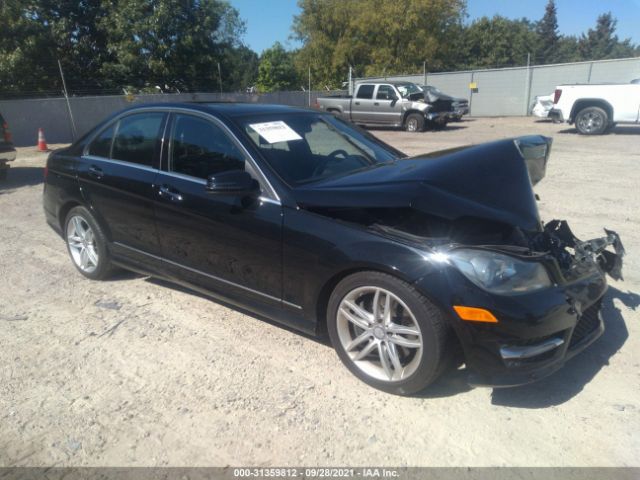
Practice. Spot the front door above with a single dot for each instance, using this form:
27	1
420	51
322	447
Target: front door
388	105
218	241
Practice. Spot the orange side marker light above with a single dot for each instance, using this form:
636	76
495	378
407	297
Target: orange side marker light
473	314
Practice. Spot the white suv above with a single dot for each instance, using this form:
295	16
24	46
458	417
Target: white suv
595	109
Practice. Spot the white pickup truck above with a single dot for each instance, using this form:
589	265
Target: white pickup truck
595	109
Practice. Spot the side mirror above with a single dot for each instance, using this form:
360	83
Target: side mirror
234	182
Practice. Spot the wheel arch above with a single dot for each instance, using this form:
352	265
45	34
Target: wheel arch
409	112
590	102
330	284
66	208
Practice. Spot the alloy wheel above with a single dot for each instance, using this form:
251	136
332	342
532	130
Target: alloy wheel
82	244
412	125
590	122
379	333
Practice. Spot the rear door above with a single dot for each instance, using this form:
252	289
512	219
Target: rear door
117	175
220	242
362	104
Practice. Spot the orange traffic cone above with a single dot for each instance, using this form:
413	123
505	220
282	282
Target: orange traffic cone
42	143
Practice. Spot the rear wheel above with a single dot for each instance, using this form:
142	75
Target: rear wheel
592	121
386	333
414	123
87	244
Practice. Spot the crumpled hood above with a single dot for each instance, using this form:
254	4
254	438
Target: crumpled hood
492	181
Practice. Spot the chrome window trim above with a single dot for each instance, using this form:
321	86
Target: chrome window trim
122	162
263	178
213	277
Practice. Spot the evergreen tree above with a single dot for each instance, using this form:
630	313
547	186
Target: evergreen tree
547	30
602	42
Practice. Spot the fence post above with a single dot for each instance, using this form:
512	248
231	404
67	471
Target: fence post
471	96
527	86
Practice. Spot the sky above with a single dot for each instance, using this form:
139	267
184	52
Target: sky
269	21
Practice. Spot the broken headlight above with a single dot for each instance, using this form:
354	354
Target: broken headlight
498	273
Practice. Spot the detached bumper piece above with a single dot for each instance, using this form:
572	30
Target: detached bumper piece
556	115
530	351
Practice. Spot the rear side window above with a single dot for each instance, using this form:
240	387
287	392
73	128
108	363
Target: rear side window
101	145
365	91
199	148
138	138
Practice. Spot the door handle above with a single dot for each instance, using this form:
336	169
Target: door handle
170	193
376	103
357	103
96	172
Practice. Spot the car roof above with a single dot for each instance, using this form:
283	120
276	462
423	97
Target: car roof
229	109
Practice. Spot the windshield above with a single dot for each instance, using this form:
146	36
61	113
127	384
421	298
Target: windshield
407	89
307	147
431	89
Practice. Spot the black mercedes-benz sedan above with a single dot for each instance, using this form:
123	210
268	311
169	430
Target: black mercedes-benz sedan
303	218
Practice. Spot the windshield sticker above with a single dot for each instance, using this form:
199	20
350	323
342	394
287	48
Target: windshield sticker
274	132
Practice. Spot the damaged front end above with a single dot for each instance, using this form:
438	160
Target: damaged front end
473	213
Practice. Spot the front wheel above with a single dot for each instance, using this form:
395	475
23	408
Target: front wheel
414	123
386	333
87	244
592	121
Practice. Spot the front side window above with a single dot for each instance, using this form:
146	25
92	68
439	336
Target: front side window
386	92
365	91
200	149
138	138
315	146
101	145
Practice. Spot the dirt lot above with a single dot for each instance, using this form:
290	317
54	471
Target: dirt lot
135	372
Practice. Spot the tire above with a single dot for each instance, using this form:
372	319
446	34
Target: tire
592	121
418	357
95	262
414	123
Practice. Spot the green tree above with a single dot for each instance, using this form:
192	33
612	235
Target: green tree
241	68
35	34
374	36
104	45
499	42
547	30
602	42
174	42
276	70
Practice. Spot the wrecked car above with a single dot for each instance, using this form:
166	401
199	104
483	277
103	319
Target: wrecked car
459	106
300	217
395	104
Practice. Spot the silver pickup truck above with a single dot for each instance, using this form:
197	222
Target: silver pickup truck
397	104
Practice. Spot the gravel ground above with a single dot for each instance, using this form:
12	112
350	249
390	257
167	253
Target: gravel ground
136	372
